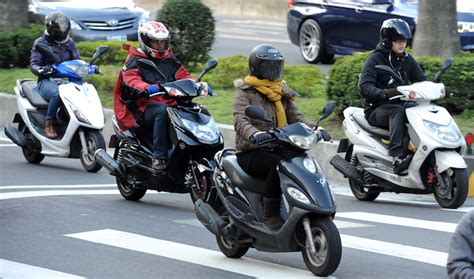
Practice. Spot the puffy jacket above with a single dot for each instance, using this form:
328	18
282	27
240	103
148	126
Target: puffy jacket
245	127
130	98
372	81
64	51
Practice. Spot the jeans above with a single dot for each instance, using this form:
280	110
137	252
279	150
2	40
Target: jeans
50	92
156	115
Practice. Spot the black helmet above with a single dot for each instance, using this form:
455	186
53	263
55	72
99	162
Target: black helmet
58	26
394	29
266	62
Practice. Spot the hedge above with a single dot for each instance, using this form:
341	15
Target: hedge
15	45
459	79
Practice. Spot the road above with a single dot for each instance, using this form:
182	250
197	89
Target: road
59	221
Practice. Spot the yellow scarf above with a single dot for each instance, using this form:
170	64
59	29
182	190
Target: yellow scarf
273	90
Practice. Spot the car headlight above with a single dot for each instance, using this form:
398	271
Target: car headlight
298	195
208	133
465	27
75	25
80	70
145	16
78	113
448	133
304	142
309	165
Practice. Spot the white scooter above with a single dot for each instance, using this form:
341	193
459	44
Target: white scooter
437	165
80	117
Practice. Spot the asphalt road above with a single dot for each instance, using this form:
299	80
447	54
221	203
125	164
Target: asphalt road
59	221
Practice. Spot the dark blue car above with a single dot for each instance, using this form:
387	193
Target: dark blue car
323	28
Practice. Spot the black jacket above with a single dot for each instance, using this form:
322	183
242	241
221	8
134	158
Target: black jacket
372	81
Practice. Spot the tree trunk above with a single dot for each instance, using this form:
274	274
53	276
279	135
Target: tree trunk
436	31
14	14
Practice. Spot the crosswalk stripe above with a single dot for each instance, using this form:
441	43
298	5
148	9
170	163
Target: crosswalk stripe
399	221
31	194
13	187
395	250
461	209
191	254
9	269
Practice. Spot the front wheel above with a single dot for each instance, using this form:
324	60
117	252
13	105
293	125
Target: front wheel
94	141
452	193
327	242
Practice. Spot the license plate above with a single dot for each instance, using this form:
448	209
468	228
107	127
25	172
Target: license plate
117	38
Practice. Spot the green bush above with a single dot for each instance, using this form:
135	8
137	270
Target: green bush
114	56
344	76
15	45
192	29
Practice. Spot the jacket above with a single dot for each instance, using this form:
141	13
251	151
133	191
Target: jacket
130	97
461	251
372	81
64	51
245	127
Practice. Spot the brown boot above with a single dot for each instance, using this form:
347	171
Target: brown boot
271	213
49	129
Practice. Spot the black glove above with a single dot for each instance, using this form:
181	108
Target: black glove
46	70
260	137
324	134
390	92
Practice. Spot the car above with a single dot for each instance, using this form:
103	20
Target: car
323	28
110	20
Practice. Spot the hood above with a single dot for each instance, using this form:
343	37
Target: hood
381	47
89	8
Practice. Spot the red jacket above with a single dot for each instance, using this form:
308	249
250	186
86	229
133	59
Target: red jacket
130	97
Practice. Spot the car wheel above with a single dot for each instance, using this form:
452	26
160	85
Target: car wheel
312	46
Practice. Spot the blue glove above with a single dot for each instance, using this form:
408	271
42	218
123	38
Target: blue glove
260	137
210	91
151	89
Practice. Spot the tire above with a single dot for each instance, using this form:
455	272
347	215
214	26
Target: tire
227	246
455	194
359	191
94	141
32	151
328	247
128	191
311	43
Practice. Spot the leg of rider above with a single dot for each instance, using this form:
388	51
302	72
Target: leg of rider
50	92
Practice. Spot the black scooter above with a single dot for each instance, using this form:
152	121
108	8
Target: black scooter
237	219
194	138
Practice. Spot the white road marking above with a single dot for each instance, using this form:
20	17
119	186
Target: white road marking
5	139
7	145
256	22
31	194
461	209
396	250
8	187
9	269
269	40
399	221
247	31
347	192
191	254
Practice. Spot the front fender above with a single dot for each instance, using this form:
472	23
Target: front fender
449	159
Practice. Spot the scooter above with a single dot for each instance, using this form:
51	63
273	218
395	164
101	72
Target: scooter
437	165
194	138
80	117
308	202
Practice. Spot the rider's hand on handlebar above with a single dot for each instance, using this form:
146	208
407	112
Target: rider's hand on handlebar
390	93
46	70
151	89
205	89
260	137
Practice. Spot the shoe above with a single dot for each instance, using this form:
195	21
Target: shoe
400	164
271	213
49	129
159	165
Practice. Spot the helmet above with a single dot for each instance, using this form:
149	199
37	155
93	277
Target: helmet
394	29
266	62
154	39
57	26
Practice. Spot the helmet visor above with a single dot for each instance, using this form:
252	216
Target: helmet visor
160	45
59	28
271	69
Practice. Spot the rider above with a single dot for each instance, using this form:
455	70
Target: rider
264	87
55	36
377	87
132	101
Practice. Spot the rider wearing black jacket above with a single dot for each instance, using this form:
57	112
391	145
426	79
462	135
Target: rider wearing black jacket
377	87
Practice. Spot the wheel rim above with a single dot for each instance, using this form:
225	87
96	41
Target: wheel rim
447	192
228	244
309	41
199	193
320	243
91	147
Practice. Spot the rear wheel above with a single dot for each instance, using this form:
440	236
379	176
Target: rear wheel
327	242
128	188
453	192
358	189
32	150
311	43
94	141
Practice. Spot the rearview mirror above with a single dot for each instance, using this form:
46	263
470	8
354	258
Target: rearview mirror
98	52
46	50
446	65
211	64
391	71
256	112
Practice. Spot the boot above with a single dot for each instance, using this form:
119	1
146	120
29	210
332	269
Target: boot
400	164
49	129
159	165
271	213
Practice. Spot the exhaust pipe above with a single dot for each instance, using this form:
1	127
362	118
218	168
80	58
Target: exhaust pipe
103	158
209	217
345	168
16	136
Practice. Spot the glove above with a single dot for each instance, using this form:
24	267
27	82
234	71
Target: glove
210	91
260	137
390	92
205	89
96	69
324	134
46	70
151	89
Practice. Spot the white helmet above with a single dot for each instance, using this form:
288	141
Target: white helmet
154	39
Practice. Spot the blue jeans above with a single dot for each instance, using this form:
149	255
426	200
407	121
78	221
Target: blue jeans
156	115
50	92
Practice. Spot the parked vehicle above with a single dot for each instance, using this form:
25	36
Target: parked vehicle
195	139
437	165
80	117
323	28
237	218
94	20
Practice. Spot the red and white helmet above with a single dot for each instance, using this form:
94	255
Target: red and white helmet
154	39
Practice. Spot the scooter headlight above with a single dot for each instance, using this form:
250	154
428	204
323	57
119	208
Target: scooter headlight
208	133
78	113
303	142
449	133
298	195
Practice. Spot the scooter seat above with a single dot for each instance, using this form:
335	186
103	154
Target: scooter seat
30	89
238	176
359	118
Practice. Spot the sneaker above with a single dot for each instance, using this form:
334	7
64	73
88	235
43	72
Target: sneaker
400	164
159	165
